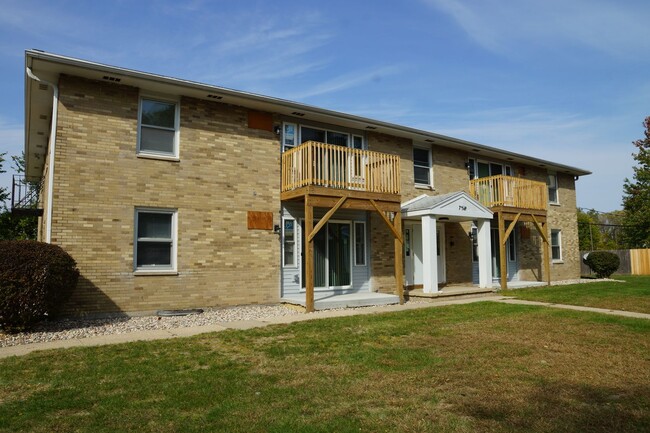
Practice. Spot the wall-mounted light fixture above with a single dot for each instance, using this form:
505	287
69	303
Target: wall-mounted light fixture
277	130
276	229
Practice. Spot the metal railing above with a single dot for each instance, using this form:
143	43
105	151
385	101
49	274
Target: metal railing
25	195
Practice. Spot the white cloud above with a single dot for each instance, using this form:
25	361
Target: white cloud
618	29
346	81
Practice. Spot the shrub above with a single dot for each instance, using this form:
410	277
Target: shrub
603	263
35	280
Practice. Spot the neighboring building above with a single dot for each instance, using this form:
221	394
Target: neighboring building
175	194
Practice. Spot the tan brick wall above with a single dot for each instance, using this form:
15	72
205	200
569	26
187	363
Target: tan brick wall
563	217
225	169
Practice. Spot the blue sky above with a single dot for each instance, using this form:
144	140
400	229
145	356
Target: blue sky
561	80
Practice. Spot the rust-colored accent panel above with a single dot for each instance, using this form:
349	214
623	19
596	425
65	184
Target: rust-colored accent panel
260	120
260	220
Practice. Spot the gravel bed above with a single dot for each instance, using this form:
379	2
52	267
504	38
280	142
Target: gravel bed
68	329
583	280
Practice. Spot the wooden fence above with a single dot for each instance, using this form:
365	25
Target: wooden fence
633	262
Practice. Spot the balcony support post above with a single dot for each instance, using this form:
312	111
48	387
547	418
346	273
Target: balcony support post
503	263
309	257
399	264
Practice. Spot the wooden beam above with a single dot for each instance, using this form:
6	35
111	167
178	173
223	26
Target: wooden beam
540	229
309	258
399	264
547	258
512	226
353	203
503	263
326	218
397	234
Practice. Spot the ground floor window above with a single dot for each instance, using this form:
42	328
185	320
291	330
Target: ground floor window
359	244
289	242
155	239
556	245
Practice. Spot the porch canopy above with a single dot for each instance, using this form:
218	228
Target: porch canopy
453	207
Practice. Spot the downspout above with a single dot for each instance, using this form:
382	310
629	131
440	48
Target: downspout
51	147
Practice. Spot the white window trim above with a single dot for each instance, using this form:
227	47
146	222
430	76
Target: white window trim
430	152
557	190
365	248
559	245
285	146
156	270
295	244
177	121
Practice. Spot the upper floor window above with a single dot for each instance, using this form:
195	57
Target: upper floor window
422	166
289	136
158	127
478	169
551	181
293	135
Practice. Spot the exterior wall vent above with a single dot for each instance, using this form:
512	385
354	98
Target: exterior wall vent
42	117
297	113
370	127
113	79
42	86
211	96
428	140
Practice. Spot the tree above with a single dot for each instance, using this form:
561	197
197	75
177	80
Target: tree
4	192
588	232
636	198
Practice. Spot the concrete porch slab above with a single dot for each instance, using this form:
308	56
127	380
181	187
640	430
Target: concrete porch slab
451	291
328	301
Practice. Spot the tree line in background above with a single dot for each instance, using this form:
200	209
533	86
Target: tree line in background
11	226
630	227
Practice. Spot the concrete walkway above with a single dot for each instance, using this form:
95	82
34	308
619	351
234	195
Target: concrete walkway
507	300
248	324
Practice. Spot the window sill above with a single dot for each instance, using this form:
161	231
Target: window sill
422	186
553	204
558	262
160	157
152	273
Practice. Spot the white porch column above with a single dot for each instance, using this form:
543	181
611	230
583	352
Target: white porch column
429	254
484	254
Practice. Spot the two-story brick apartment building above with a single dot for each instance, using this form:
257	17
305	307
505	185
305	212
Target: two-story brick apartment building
176	194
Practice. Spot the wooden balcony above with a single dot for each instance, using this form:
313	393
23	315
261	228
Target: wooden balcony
503	192
341	168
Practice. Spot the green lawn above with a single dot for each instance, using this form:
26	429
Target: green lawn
466	368
632	295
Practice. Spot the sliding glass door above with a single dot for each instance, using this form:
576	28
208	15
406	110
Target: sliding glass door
332	255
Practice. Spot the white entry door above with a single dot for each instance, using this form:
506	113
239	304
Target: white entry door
413	261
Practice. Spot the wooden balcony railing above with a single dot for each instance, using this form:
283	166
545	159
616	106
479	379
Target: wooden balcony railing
495	191
332	166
